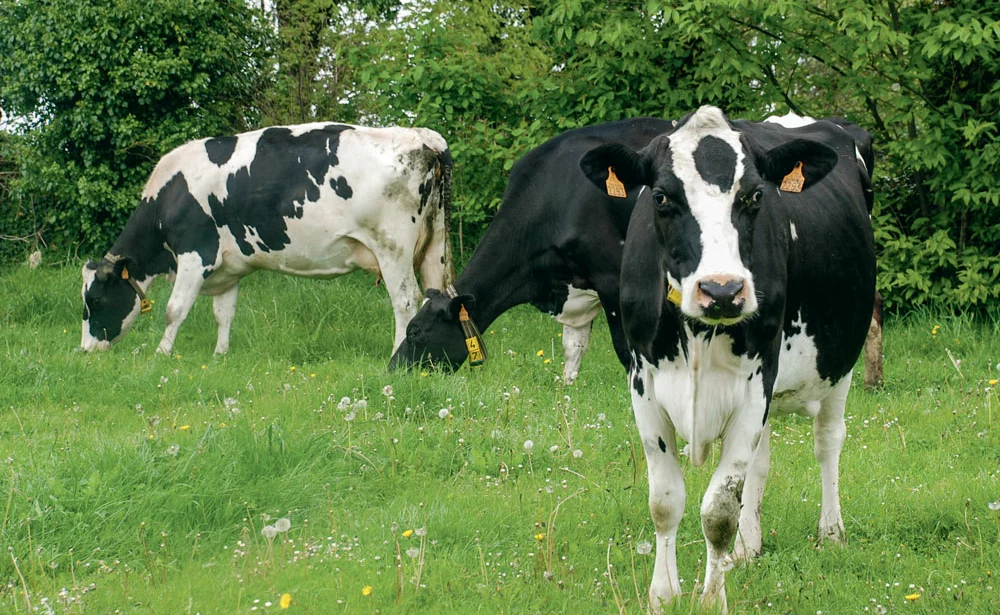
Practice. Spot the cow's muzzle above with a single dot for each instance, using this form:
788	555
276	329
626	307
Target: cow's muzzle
721	299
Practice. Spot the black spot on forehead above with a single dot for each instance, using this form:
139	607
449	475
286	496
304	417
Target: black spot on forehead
220	149
716	162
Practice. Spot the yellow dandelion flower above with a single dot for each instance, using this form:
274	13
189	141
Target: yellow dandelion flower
204	367
993	382
424	374
286	600
407	533
293	368
540	353
912	597
152	437
547	361
64	330
312	375
366	590
185	427
540	536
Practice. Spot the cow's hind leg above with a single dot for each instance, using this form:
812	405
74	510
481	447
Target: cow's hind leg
666	486
403	292
224	308
830	433
187	285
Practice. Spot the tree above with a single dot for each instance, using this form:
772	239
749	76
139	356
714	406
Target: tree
107	87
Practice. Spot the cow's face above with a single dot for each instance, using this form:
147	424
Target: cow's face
110	305
707	185
434	337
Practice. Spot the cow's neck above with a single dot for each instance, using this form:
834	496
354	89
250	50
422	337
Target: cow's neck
142	242
498	278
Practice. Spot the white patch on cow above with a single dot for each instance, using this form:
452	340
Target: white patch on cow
711	207
577	317
798	387
704	392
791	227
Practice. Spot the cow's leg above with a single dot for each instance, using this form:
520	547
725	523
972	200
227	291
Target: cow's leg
720	510
187	285
749	539
666	486
575	341
403	292
224	308
830	433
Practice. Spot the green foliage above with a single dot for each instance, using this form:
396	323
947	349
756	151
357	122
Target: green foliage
108	87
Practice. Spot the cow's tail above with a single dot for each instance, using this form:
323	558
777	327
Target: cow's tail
445	162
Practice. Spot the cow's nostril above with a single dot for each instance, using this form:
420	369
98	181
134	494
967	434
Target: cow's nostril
725	292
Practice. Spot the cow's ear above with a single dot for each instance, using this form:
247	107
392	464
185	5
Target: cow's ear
817	160
629	167
457	302
122	265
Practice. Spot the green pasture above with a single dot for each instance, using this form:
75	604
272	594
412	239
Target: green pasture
137	483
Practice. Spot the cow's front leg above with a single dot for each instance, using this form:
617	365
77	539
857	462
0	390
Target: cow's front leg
720	510
187	285
575	341
403	293
666	486
224	308
749	540
830	432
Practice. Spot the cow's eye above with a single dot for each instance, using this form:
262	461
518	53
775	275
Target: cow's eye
755	197
659	198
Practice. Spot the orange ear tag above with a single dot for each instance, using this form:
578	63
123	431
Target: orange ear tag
615	186
124	273
794	181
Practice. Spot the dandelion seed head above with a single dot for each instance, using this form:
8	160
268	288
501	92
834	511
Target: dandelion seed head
413	552
387	390
269	532
577	454
283	524
528	445
345	402
443	413
644	548
173	449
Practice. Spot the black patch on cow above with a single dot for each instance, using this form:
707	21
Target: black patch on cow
107	302
220	149
341	187
283	176
662	444
716	162
413	219
186	226
638	386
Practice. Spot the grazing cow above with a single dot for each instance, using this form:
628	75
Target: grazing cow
317	200
556	242
740	298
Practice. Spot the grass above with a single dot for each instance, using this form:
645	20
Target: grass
136	483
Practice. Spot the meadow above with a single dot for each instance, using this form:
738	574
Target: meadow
296	474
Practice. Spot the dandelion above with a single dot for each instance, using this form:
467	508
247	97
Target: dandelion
413	552
387	390
287	387
528	445
349	416
540	353
366	590
540	536
360	404
407	533
345	403
443	413
644	548
312	375
293	368
993	382
553	448
420	531
185	427
286	601
547	361
269	532
282	524
912	597
994	505
577	454
935	330
204	367
173	449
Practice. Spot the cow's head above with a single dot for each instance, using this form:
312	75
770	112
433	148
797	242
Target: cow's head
435	337
707	184
110	302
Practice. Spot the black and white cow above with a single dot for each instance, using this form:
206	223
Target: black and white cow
316	200
739	300
555	242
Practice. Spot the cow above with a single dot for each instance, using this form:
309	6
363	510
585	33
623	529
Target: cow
555	242
747	286
314	200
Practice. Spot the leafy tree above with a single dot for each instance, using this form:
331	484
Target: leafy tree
107	87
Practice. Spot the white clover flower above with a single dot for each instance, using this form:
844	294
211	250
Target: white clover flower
269	532
443	413
413	552
282	525
644	548
387	390
528	445
345	402
577	453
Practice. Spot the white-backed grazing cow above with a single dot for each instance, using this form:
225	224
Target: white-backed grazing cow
556	242
739	300
315	200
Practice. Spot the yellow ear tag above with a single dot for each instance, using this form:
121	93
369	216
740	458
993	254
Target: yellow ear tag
673	295
145	306
794	181
615	186
476	356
